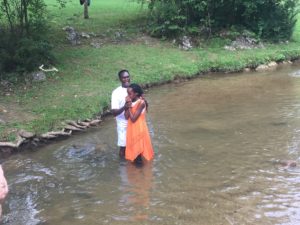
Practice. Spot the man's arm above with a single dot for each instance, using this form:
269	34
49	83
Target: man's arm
117	112
114	105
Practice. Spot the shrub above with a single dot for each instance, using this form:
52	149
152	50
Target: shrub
268	19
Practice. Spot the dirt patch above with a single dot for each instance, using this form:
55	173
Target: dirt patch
13	112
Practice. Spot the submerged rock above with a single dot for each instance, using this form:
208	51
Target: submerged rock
295	74
288	163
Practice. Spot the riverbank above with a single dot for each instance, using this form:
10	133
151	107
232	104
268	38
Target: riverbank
87	75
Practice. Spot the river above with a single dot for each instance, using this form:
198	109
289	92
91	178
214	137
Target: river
218	140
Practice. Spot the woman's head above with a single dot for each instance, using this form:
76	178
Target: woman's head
135	91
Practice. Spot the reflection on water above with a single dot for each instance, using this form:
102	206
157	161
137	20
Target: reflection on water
135	187
218	141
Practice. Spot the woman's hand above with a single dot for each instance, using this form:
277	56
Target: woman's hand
128	103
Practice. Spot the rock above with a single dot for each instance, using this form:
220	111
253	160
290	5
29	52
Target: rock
186	43
262	68
60	133
38	76
72	128
244	42
118	34
68	28
92	34
20	141
95	122
48	136
272	64
85	35
247	70
7	145
72	36
5	84
73	123
85	124
229	48
96	44
26	134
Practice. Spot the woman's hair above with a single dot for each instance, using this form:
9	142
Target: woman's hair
137	89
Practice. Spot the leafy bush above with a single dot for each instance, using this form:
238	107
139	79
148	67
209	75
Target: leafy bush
23	35
268	19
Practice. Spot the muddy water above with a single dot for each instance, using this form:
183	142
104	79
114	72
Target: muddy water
217	139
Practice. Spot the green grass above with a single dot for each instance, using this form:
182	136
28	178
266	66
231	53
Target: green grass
87	75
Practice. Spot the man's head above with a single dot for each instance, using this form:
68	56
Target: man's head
124	77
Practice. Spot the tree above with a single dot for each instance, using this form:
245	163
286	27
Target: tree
86	10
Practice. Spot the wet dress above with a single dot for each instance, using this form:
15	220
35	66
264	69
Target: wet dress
138	139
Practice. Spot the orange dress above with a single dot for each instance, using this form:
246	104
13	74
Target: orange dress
138	139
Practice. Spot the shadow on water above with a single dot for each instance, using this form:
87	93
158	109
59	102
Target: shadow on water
218	141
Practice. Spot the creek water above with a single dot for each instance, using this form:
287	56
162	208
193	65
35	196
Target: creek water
217	139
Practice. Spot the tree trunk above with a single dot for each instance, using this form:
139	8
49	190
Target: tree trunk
8	15
86	9
26	16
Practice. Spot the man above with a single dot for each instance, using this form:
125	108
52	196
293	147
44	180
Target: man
3	189
118	106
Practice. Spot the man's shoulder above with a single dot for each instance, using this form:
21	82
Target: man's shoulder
117	89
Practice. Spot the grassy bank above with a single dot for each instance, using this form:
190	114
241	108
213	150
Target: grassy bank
87	75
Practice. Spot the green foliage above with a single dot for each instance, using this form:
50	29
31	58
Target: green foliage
268	19
23	34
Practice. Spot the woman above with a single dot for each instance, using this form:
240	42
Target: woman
138	141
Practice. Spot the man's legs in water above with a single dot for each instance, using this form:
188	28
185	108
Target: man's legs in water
122	152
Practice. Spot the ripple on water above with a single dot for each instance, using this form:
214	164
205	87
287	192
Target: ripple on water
295	74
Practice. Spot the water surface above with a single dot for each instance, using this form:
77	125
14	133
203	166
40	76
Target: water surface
218	140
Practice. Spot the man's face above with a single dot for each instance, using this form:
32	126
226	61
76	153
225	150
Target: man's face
125	80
